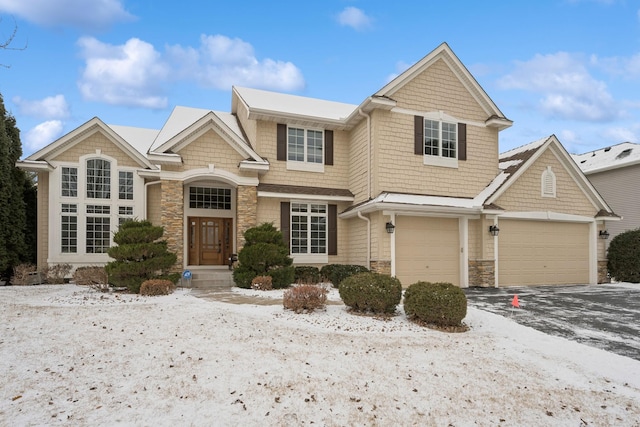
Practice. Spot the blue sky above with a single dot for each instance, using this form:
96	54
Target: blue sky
564	67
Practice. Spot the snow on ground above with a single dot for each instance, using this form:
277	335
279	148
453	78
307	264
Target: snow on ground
71	356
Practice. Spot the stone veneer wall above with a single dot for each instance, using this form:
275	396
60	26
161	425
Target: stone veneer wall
172	219
382	267
247	212
603	272
482	272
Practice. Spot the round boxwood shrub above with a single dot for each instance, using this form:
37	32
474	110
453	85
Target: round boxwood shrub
371	292
440	304
336	273
623	257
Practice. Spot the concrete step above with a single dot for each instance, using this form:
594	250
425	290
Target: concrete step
217	278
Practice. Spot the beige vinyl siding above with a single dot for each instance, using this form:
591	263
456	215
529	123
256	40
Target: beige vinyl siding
621	190
42	245
427	249
526	194
207	149
89	145
543	253
358	159
356	235
154	205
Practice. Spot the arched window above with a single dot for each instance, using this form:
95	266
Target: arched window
98	179
548	183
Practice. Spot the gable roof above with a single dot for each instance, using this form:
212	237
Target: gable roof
608	158
443	52
137	138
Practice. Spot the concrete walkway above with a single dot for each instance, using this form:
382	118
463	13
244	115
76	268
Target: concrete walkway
602	316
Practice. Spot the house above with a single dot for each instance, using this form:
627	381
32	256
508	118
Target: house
615	172
409	183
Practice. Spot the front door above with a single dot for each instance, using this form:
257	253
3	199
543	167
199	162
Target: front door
209	240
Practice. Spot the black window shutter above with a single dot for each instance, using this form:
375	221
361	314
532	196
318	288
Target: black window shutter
285	220
328	147
282	142
419	135
462	141
332	244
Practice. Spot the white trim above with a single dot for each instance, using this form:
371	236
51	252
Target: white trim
463	228
393	245
444	162
249	165
208	173
593	253
496	256
546	216
548	175
310	258
293	165
305	197
436	115
34	165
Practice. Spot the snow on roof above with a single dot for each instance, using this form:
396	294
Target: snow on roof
180	118
617	156
509	163
524	148
139	138
294	104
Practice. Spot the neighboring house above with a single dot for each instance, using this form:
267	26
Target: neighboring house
615	172
408	183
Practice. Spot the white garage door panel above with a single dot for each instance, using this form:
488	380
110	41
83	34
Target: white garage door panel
427	249
542	253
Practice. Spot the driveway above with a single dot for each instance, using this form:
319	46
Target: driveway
602	316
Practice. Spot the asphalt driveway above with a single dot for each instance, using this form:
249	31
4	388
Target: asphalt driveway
602	316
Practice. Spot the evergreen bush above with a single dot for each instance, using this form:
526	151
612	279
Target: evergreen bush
371	292
441	304
307	274
623	257
264	253
139	256
336	273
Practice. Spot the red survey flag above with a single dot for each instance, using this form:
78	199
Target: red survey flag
514	302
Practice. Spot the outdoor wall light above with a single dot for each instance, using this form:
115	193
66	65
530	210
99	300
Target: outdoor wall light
604	234
494	230
390	227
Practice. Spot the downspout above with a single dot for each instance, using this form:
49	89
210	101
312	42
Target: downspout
368	237
146	200
360	112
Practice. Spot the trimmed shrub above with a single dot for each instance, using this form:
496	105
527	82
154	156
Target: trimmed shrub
139	256
307	274
93	276
155	287
56	273
371	292
623	257
24	274
264	254
441	304
262	283
336	273
305	298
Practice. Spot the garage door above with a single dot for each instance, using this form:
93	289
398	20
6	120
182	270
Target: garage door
427	249
542	253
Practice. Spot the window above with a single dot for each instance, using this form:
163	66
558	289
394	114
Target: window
98	179
125	185
69	182
440	139
99	209
125	213
308	228
209	198
98	230
548	183
304	145
69	229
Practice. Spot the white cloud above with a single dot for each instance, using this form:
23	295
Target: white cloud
401	67
96	15
621	134
130	74
51	107
354	18
43	134
568	90
626	67
220	62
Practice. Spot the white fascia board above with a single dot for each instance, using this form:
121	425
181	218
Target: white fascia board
305	196
248	165
165	158
34	165
499	122
414	210
546	216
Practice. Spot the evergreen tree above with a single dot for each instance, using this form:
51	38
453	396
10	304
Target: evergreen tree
13	249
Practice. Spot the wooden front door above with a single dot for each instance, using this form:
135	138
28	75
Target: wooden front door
209	240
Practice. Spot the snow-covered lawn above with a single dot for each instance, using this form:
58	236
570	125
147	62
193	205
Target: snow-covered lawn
70	356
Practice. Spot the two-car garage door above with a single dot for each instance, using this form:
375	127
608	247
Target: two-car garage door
542	253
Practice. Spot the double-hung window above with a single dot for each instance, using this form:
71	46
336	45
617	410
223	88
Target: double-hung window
125	185
308	228
440	141
69	228
305	149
